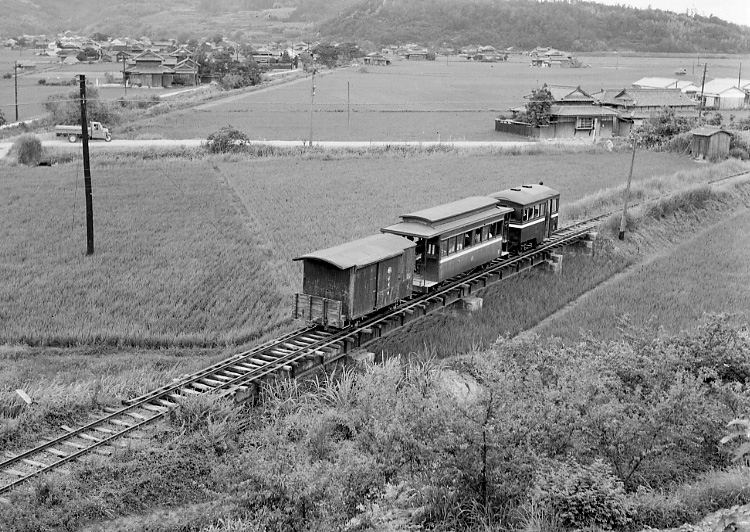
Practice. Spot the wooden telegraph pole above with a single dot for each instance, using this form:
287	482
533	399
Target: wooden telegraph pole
312	96
15	74
623	220
703	84
87	171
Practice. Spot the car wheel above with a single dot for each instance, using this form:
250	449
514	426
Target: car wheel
72	138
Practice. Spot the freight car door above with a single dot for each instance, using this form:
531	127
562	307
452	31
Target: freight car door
388	282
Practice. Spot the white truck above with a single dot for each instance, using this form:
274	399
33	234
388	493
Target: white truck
96	131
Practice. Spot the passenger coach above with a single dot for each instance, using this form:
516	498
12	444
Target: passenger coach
535	213
454	238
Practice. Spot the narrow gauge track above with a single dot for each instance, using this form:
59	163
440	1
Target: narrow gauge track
297	354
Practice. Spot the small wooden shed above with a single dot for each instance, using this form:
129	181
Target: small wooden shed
351	280
710	143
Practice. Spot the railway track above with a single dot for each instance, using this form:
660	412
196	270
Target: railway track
295	354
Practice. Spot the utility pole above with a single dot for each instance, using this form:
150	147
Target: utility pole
623	220
124	81
348	116
703	84
15	75
87	171
739	77
312	96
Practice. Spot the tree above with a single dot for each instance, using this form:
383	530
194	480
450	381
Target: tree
326	54
539	108
217	38
100	37
2	118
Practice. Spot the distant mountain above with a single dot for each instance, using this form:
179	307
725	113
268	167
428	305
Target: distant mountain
577	26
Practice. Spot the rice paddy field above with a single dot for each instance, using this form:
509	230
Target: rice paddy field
198	251
410	101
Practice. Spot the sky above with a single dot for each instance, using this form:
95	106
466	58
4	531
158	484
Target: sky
737	11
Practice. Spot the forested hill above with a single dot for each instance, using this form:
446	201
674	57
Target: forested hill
525	24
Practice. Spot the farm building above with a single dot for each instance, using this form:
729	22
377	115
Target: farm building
549	57
710	143
566	122
416	55
687	87
725	94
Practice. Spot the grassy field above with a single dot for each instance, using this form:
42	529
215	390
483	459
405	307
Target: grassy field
199	251
709	273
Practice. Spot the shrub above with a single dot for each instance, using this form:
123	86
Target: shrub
227	140
2	118
42	81
28	148
582	496
7	75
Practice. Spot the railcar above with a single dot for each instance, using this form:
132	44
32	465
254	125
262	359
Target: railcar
454	237
535	214
344	283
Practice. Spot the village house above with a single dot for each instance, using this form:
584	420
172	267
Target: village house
376	59
550	58
147	70
633	106
572	115
416	55
688	88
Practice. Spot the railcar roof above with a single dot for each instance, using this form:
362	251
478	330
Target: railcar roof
526	194
423	230
362	252
454	209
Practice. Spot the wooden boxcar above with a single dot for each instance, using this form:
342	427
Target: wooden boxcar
535	214
349	281
454	238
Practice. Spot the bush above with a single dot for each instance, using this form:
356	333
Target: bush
227	140
2	118
7	75
28	148
582	495
42	81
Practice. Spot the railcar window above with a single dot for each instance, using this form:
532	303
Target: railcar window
459	242
554	205
536	211
525	214
544	209
486	233
467	238
452	245
443	248
477	235
431	250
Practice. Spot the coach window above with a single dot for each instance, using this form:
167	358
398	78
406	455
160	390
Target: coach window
431	249
451	245
536	211
443	247
467	238
459	242
477	235
485	233
543	209
525	214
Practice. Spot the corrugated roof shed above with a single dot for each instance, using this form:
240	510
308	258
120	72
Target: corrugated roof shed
708	131
361	252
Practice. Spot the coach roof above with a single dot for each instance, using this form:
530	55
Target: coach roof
362	252
526	194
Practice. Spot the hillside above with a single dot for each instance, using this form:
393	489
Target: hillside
254	19
525	24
